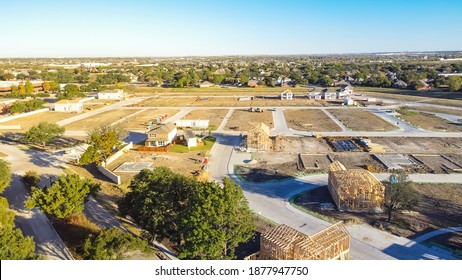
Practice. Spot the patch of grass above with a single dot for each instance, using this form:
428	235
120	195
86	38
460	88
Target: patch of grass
406	112
208	143
73	230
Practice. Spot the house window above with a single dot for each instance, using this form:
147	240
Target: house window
161	143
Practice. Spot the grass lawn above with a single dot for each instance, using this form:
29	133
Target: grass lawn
428	121
208	143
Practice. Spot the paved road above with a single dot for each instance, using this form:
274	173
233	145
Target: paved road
117	105
280	123
271	201
32	223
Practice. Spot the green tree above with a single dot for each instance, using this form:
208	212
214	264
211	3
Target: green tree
5	175
66	196
399	194
14	89
156	202
54	86
111	244
326	81
202	219
43	133
454	83
8	76
70	91
31	179
103	143
218	220
26	106
22	88
46	86
13	244
29	87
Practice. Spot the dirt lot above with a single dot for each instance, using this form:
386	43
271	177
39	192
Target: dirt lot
428	121
97	104
361	120
227	101
358	160
183	163
284	162
215	116
100	119
411	145
140	121
29	121
315	162
438	163
297	145
241	118
312	120
440	207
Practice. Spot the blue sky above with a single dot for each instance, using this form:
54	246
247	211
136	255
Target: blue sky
206	27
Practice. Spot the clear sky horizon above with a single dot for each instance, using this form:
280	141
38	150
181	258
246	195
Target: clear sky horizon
139	28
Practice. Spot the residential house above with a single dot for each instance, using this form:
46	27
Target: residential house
199	124
286	243
314	95
258	138
329	95
161	135
68	106
287	95
252	83
190	138
112	94
355	190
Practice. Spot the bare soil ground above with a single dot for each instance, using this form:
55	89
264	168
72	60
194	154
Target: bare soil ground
429	121
358	160
411	145
309	119
100	119
297	145
141	121
240	120
284	162
228	101
361	120
211	91
183	163
440	207
214	116
264	172
29	121
97	104
438	163
315	162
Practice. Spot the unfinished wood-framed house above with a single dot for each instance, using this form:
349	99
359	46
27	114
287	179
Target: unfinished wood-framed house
258	138
286	243
355	190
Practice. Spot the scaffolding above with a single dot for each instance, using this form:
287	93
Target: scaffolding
286	243
355	190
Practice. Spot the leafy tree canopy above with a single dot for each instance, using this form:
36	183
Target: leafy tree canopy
43	133
111	244
66	196
13	245
5	175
